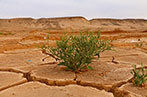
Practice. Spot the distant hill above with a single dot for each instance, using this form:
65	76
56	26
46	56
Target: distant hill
71	24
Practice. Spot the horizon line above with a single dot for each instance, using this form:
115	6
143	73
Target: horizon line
62	17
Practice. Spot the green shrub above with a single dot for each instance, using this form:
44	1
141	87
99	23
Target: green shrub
1	33
8	33
139	44
77	52
139	76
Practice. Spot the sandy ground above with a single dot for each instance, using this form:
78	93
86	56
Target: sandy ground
24	74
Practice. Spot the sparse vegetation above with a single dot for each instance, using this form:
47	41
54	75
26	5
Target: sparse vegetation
76	52
1	33
139	44
8	33
139	76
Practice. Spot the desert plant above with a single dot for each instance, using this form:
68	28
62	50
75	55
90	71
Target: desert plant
76	52
139	44
8	33
139	75
1	33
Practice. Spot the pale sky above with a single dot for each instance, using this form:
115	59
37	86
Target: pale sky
61	8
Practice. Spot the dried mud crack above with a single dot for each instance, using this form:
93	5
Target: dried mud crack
109	88
13	85
75	81
29	78
12	78
11	70
52	75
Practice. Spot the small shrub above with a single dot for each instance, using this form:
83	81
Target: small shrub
76	52
139	76
139	44
8	33
1	33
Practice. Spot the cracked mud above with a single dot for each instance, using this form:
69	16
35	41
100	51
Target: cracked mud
24	74
107	78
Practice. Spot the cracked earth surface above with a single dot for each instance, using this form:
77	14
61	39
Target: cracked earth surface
24	74
36	78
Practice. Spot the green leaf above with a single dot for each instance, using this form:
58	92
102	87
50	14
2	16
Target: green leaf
139	75
67	68
61	63
131	72
90	68
140	82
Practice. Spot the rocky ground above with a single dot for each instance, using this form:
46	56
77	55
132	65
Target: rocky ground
24	74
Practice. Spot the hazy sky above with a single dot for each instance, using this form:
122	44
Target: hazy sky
87	8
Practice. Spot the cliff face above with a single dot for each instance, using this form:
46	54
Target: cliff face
71	24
